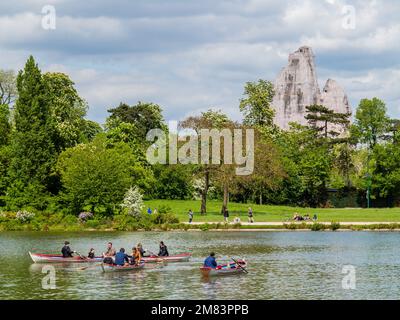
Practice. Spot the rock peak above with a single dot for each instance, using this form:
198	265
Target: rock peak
296	87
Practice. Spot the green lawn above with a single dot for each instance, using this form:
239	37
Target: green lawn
266	213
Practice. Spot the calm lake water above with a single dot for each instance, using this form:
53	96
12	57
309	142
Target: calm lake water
282	265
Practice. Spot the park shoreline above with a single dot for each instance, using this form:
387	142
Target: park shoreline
299	226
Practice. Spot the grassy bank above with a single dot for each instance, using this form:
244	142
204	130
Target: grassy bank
172	215
268	213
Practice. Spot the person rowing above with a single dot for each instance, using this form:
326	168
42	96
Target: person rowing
109	255
91	253
121	258
143	252
110	252
210	261
66	250
136	256
163	250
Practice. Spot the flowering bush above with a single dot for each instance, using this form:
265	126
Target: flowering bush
133	201
198	188
3	216
84	216
24	216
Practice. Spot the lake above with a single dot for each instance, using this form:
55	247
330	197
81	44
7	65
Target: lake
282	265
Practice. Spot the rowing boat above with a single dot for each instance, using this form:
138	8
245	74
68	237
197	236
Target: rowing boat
225	269
174	258
58	258
114	268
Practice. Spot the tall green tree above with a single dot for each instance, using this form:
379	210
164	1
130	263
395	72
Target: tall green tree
8	87
96	175
32	149
323	120
371	125
371	121
144	116
5	132
211	119
256	105
385	186
5	125
307	160
67	110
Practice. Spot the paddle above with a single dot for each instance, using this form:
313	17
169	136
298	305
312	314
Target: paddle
153	255
91	267
81	256
243	268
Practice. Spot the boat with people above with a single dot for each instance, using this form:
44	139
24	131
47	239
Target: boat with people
59	258
115	268
237	267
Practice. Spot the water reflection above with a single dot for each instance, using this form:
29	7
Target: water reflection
282	265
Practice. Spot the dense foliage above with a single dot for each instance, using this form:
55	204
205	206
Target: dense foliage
55	161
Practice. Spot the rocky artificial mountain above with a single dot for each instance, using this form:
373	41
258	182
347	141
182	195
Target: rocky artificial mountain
297	87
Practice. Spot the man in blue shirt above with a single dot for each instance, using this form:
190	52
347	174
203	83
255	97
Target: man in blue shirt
121	257
210	262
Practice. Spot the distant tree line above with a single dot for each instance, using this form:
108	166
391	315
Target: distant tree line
54	159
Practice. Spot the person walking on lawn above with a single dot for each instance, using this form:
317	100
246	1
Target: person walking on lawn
250	215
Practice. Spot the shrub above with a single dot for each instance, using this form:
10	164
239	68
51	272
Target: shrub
85	216
204	227
164	208
162	218
24	216
334	226
92	224
133	201
317	226
69	220
55	218
124	222
3	217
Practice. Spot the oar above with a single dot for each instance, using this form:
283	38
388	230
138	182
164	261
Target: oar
89	267
243	268
81	256
153	255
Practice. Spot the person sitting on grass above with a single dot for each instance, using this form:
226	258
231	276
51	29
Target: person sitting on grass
121	258
210	261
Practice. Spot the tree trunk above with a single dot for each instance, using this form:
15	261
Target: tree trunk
226	197
261	202
204	193
326	129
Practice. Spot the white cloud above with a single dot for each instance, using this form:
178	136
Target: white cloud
191	56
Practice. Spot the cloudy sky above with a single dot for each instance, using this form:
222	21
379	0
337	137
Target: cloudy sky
189	56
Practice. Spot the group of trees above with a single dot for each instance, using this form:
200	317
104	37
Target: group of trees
52	158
